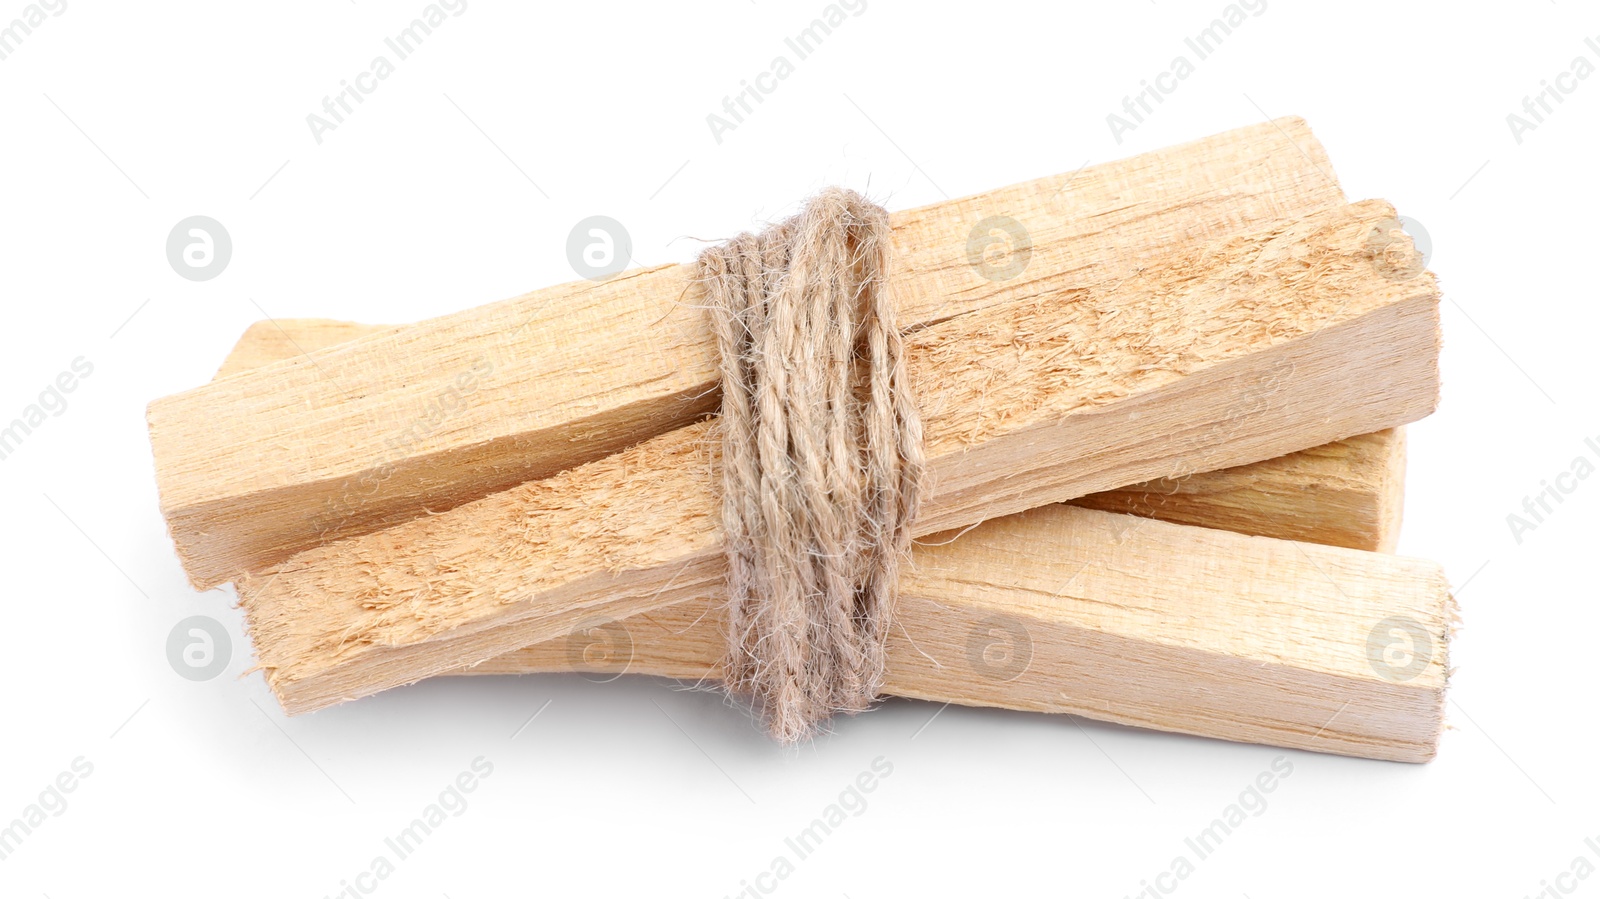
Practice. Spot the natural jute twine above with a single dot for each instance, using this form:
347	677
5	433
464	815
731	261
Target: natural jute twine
822	458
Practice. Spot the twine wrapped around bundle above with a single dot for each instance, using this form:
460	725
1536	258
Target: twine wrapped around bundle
822	458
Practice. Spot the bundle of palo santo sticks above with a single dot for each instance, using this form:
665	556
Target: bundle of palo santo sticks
1164	449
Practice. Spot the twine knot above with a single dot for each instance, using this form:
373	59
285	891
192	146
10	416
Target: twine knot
822	458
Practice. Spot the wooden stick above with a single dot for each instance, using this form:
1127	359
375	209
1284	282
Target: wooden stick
1128	620
266	342
1233	355
1346	493
1271	649
428	416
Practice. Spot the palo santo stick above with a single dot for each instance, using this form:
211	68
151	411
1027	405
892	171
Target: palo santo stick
1244	352
266	342
1121	619
422	418
1346	493
1002	648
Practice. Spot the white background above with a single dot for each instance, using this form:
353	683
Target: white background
456	183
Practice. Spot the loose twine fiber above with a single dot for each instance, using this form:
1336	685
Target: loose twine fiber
822	458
